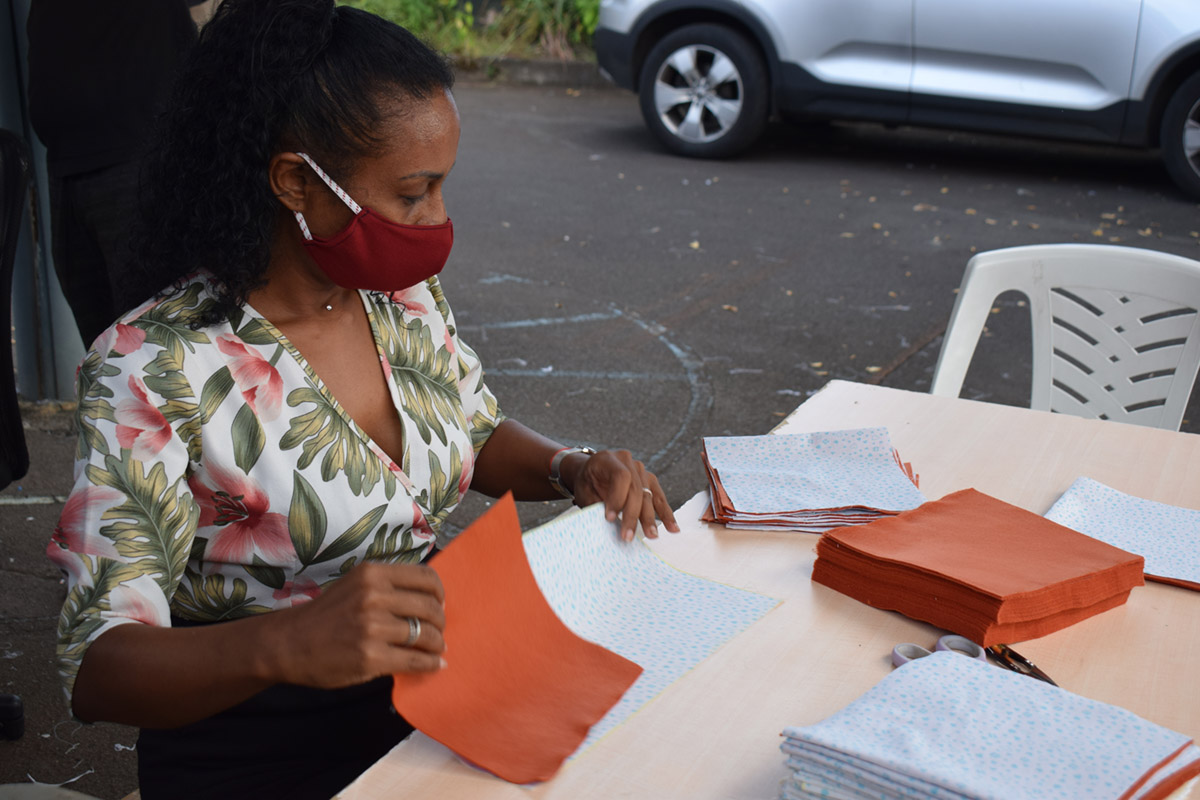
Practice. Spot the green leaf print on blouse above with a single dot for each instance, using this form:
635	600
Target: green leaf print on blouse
152	524
213	598
264	573
93	394
169	320
306	519
484	421
353	537
308	524
248	438
324	428
76	625
423	376
255	332
442	495
93	407
216	388
384	549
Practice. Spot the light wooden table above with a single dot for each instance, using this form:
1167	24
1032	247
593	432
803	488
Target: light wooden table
715	732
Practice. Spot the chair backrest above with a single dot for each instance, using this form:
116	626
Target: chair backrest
1116	331
14	187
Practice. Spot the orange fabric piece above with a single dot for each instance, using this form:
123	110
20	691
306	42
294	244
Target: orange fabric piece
979	567
520	690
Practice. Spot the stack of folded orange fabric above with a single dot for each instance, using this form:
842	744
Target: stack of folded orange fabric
979	567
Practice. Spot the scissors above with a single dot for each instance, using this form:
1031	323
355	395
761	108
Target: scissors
1008	658
903	653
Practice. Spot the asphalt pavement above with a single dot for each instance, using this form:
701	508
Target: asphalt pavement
622	297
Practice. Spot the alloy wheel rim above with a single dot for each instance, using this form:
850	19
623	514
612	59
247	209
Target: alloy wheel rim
698	93
1191	137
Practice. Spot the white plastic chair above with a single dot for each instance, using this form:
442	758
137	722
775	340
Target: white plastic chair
1116	333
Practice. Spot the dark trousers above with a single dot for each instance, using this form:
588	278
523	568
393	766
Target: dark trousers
91	216
288	742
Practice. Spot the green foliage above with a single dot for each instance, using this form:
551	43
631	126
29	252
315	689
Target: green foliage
558	28
447	25
517	28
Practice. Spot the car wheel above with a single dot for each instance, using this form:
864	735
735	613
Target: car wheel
1180	136
704	91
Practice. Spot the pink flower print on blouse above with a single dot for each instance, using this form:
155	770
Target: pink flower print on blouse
260	383
141	427
296	592
420	528
121	339
140	599
404	298
237	508
72	536
449	341
468	470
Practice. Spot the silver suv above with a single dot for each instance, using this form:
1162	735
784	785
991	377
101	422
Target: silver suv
709	73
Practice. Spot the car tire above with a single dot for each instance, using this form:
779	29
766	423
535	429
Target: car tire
1179	136
704	91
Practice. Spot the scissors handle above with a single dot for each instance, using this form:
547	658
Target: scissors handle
1008	658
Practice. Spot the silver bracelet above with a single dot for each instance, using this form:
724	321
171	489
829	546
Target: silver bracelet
556	464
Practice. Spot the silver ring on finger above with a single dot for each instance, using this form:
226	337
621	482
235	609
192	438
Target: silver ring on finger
414	631
647	491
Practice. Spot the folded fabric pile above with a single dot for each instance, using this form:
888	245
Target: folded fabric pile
978	567
1167	536
952	727
807	482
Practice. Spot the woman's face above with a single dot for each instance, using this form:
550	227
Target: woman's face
404	182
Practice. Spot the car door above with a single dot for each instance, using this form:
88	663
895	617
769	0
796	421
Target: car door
1059	67
842	57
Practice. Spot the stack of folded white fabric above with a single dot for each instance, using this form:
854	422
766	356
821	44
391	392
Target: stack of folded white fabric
1167	536
807	482
945	726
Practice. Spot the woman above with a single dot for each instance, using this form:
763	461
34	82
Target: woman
271	443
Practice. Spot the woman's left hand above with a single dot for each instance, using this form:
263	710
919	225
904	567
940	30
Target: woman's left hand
628	490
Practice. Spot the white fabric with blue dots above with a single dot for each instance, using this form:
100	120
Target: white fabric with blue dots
795	472
625	598
945	726
1168	537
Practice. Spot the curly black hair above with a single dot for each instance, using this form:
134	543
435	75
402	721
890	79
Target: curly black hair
264	73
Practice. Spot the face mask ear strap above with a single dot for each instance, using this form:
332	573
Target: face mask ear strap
303	226
345	198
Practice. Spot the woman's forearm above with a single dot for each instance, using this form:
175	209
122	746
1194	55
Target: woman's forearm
517	459
359	628
166	677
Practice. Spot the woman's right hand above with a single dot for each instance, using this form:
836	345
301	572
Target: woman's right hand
358	628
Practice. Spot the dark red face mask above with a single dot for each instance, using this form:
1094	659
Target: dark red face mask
374	253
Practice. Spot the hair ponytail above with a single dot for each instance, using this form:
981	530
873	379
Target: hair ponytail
263	70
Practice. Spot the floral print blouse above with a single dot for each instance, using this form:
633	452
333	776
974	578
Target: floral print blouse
216	477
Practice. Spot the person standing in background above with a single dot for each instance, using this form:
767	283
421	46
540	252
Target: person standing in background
99	70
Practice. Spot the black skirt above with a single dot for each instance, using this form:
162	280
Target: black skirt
289	742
